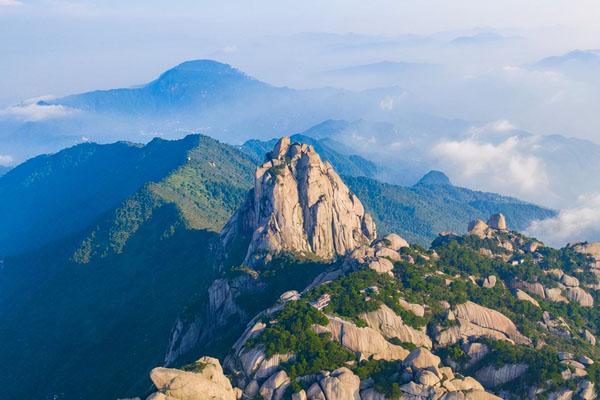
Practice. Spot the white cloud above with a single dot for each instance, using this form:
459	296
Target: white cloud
504	167
36	110
5	160
10	3
576	224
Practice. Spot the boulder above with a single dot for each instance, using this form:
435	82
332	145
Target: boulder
422	358
478	228
555	295
371	394
416	309
394	241
274	387
366	341
589	337
301	395
521	295
427	378
586	391
382	266
531	288
580	296
568	280
209	382
592	249
489	282
497	221
467	384
341	384
388	253
385	321
314	392
478	321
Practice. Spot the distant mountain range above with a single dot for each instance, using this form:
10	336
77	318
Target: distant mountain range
386	126
196	96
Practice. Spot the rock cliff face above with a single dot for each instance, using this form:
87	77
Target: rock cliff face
299	205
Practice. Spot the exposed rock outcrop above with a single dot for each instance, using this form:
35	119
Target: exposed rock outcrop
478	321
366	341
341	384
299	206
208	382
497	221
391	325
492	377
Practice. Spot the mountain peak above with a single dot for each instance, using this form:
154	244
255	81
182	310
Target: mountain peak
299	206
434	177
204	66
202	70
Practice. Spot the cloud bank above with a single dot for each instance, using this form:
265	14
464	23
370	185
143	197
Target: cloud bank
5	160
499	167
36	110
576	224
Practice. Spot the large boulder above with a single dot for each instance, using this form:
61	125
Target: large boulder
478	321
394	242
341	384
497	221
274	388
300	206
422	358
478	228
521	295
366	341
389	324
382	266
207	382
580	296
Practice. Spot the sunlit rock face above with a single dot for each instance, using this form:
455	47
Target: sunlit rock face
300	206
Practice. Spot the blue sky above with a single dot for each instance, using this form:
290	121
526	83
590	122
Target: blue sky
63	46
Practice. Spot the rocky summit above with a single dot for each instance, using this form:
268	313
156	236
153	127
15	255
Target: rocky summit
488	315
299	205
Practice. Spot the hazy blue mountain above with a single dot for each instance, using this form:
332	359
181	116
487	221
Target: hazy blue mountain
434	178
579	65
582	57
200	96
479	38
197	84
4	170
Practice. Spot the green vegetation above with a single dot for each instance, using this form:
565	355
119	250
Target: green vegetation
196	366
292	333
543	363
420	212
361	292
385	375
283	273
